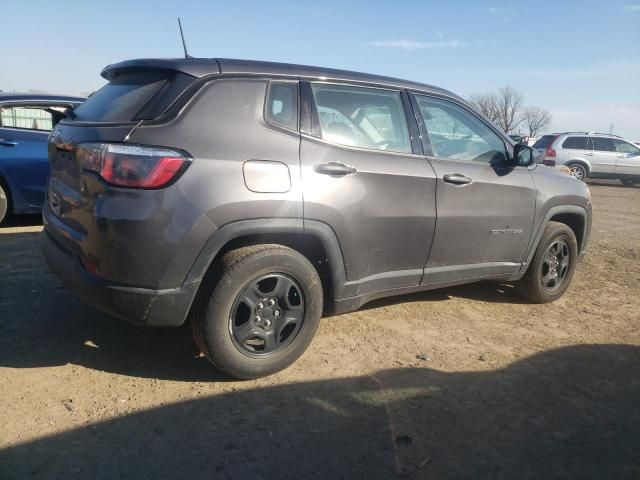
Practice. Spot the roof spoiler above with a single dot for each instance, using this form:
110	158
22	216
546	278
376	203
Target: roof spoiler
196	67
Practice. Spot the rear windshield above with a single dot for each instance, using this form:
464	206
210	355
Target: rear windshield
134	96
545	141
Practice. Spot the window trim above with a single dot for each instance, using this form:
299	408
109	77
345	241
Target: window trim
426	139
310	120
267	98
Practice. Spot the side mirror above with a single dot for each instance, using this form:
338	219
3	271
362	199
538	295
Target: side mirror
522	155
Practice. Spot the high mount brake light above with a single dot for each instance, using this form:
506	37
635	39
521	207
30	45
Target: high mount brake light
132	166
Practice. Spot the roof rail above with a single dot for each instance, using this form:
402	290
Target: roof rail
588	133
608	134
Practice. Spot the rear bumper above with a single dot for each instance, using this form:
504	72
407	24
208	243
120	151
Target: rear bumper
141	306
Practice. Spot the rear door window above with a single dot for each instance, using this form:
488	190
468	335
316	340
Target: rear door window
575	143
26	117
603	144
133	96
363	117
32	117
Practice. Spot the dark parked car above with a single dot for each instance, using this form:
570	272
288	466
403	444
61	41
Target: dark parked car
251	197
25	122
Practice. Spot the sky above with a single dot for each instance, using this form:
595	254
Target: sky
578	59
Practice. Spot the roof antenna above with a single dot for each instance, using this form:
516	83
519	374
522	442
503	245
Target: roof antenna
184	44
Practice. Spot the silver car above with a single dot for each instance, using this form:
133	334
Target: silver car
591	155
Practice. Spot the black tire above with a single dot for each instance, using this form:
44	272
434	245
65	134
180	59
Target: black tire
213	320
629	183
4	204
533	285
578	170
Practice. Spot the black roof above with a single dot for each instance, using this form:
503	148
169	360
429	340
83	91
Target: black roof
200	67
38	97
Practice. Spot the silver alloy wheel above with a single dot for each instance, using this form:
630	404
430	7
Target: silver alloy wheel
577	171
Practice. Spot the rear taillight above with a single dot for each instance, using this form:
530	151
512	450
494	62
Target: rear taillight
550	152
132	166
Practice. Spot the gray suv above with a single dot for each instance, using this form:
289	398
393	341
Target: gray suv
250	198
591	155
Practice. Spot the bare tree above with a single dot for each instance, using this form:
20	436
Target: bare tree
536	119
504	108
487	103
509	106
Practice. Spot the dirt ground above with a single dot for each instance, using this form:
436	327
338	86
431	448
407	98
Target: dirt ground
467	382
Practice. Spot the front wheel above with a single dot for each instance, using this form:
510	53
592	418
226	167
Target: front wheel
552	266
258	310
578	171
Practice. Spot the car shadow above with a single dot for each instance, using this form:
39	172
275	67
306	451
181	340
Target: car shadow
42	324
610	183
22	221
570	413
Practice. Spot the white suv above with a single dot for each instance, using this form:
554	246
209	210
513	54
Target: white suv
591	155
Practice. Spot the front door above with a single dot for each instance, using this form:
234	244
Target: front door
485	206
365	176
628	156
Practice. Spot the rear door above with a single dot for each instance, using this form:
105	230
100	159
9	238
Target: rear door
577	147
604	156
485	206
364	175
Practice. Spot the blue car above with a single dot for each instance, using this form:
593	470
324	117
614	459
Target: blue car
25	122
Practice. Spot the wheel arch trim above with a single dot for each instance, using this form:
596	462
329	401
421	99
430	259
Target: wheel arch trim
554	212
272	226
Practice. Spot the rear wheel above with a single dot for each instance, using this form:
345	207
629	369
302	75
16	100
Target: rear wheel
4	204
553	265
258	310
577	170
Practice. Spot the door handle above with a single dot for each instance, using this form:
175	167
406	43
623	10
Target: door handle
589	154
334	169
622	156
457	179
7	143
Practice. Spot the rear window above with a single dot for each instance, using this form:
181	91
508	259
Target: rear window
545	141
134	96
576	143
603	144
